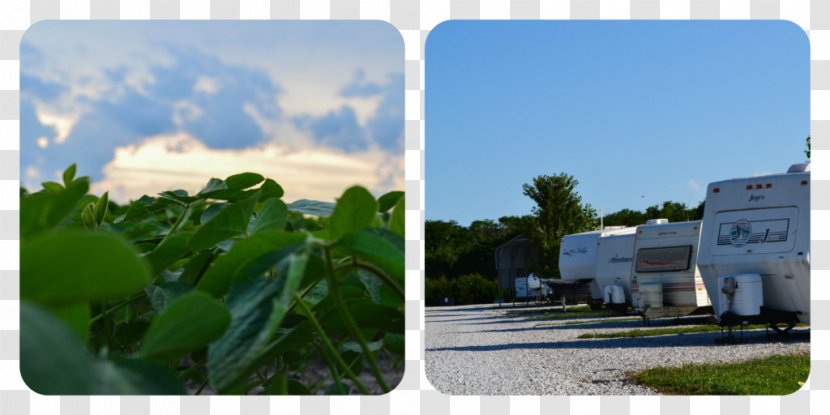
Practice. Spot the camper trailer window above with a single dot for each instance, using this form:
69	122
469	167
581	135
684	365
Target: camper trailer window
675	258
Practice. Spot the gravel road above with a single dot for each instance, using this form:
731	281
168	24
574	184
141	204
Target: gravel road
481	350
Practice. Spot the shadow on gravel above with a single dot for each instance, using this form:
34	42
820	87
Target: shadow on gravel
676	340
596	325
430	319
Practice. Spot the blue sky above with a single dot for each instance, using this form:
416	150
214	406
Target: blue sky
146	106
638	112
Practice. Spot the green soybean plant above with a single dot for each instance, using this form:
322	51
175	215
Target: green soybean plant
230	290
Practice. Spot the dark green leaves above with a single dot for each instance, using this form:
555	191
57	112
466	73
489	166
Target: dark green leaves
312	207
189	288
69	174
255	253
71	267
272	215
39	358
355	210
252	324
169	251
379	247
397	223
229	222
191	321
46	209
53	361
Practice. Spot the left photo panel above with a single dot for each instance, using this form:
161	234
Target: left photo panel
211	208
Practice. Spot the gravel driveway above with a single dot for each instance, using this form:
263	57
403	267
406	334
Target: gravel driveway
481	350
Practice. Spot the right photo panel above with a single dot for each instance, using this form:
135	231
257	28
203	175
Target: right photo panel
617	207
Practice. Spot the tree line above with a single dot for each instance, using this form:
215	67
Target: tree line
460	260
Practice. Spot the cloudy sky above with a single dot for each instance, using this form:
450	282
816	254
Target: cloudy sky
143	107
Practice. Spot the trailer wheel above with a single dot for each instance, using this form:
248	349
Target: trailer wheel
782	328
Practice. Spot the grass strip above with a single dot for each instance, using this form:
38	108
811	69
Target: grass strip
580	322
775	375
668	330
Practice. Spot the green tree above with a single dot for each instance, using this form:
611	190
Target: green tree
807	151
559	211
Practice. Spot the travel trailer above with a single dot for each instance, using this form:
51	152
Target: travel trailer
755	249
578	259
665	279
615	252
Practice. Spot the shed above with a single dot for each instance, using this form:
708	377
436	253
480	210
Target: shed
513	260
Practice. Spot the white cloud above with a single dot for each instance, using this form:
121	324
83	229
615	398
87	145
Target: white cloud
181	161
184	111
61	122
206	84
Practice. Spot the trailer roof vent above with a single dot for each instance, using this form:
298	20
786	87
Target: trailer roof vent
799	168
657	221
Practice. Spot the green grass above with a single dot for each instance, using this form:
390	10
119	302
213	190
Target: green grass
775	375
668	330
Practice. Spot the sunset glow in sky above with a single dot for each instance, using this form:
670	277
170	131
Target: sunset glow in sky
142	107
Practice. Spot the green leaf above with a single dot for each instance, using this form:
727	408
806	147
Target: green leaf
272	215
69	174
52	186
45	210
197	265
266	247
212	211
379	247
191	321
213	185
270	189
161	296
355	210
71	267
355	347
395	343
135	377
397	223
169	251
53	361
229	222
47	369
296	266
312	207
76	317
252	324
100	209
389	200
88	217
367	314
179	196
243	181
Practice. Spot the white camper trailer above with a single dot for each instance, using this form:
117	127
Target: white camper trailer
755	248
615	252
578	258
665	279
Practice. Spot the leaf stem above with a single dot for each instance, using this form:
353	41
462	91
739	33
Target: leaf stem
332	367
350	324
380	274
329	346
116	307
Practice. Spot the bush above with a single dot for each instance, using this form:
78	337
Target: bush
466	289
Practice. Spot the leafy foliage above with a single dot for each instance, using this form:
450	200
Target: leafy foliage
219	290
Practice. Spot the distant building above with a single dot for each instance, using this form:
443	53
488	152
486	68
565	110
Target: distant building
513	260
